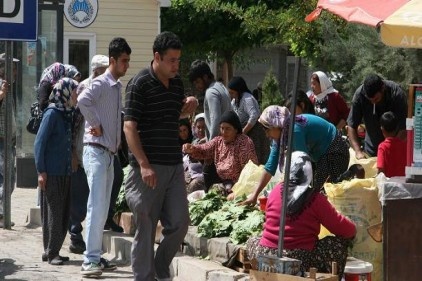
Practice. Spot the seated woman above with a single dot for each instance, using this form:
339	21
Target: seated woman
194	178
306	210
230	151
199	128
185	131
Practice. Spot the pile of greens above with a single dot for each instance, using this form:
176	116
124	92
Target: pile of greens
217	217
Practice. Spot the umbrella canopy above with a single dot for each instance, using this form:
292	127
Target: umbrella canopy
400	21
404	27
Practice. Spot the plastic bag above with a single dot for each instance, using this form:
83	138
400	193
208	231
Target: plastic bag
248	179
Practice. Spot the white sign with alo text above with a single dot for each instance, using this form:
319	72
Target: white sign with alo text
81	13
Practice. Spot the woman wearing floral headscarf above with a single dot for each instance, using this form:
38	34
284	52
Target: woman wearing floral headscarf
306	209
49	78
52	149
312	135
328	102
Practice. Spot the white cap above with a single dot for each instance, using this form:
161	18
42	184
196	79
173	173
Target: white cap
99	61
3	57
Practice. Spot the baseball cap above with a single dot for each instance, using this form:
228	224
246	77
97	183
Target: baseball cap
3	57
99	61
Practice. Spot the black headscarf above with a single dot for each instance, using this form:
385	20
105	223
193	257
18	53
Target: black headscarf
238	84
232	118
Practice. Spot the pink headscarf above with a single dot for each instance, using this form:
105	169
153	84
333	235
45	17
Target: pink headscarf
275	116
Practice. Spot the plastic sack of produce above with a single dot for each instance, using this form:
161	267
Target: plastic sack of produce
369	164
358	200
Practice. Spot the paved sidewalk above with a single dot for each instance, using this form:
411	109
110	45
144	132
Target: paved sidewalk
21	249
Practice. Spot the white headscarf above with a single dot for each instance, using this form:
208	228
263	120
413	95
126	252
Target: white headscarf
326	85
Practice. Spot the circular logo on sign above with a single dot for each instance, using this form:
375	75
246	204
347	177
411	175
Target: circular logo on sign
81	13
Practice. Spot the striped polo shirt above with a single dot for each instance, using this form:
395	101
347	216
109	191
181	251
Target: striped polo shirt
156	109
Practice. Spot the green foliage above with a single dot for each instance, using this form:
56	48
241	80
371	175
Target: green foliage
250	226
200	208
271	94
236	221
121	204
358	51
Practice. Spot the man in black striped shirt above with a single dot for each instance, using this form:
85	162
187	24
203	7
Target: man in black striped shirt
155	188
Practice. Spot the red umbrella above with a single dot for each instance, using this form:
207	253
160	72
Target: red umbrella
400	21
371	12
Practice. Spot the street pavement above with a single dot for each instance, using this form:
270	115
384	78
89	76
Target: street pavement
21	249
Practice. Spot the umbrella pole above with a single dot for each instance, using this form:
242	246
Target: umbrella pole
288	159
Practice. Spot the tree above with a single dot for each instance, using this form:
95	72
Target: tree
216	28
271	94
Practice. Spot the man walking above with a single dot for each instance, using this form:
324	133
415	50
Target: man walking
100	105
155	187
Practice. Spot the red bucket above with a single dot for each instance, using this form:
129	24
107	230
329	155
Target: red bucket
357	270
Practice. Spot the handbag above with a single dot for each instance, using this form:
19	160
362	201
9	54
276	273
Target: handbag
34	120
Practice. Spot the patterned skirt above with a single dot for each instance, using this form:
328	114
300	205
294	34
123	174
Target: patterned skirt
327	250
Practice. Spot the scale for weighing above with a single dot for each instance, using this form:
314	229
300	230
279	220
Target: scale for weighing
414	134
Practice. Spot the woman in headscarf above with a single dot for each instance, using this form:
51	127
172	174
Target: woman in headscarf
53	153
306	210
185	131
231	150
247	108
313	135
328	102
49	78
199	129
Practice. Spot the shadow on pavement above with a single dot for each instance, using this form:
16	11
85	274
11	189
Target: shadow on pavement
8	267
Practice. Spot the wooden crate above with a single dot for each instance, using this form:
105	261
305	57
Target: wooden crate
242	263
269	276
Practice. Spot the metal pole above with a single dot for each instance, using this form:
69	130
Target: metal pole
288	159
8	164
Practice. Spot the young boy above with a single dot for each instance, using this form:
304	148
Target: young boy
392	151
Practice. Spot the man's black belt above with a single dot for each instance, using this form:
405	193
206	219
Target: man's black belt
98	145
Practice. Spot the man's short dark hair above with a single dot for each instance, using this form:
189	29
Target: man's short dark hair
117	47
372	85
198	69
166	40
389	122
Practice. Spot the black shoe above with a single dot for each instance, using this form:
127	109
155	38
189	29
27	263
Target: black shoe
77	248
111	225
107	265
56	261
44	257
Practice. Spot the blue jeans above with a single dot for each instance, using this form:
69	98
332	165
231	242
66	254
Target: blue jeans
98	164
2	172
79	193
